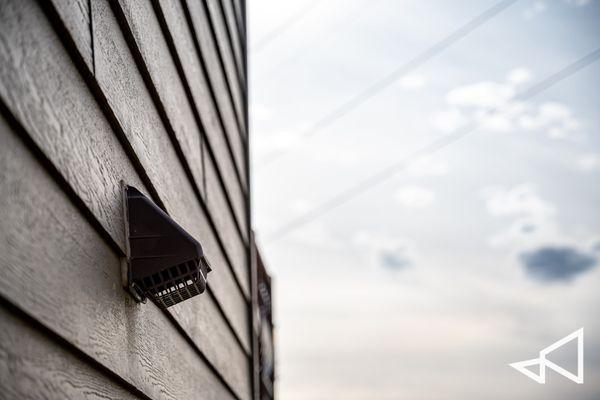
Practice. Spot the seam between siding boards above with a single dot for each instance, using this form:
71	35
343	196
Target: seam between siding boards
143	69
177	61
13	122
241	33
60	28
239	67
79	62
188	17
196	42
91	23
68	346
213	30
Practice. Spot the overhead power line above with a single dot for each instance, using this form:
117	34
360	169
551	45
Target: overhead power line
283	27
396	74
436	145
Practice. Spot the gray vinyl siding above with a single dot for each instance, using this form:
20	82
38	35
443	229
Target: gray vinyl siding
93	93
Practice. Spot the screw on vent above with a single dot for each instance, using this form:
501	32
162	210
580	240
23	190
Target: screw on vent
165	263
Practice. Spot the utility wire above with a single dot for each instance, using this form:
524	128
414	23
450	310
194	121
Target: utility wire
436	145
283	27
396	74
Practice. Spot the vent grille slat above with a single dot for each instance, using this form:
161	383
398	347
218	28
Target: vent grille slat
174	284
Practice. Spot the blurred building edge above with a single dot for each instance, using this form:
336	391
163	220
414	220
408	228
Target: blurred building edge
262	329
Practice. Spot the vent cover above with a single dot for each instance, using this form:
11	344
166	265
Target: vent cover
165	263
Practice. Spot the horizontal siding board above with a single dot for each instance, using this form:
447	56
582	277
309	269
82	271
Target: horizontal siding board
144	25
43	89
230	33
57	269
36	367
231	55
229	102
76	17
45	92
233	70
181	37
129	98
207	329
238	6
236	30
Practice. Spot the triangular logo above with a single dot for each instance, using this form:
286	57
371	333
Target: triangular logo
544	363
521	366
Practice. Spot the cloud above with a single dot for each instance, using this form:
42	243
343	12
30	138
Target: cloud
588	162
413	81
260	112
518	200
519	76
556	263
553	117
395	260
533	217
539	6
448	120
536	8
414	196
387	251
481	95
274	142
428	166
534	226
492	106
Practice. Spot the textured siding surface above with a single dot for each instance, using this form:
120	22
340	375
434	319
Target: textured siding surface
93	93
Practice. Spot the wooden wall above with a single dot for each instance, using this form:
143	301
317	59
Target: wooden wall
151	92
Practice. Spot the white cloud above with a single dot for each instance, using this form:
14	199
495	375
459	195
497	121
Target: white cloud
413	81
519	200
519	76
300	206
536	8
448	120
539	6
491	105
480	95
527	232
318	235
501	120
428	166
497	122
260	113
341	155
533	217
556	119
275	142
588	162
414	196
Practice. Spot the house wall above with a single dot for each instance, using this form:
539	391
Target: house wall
93	93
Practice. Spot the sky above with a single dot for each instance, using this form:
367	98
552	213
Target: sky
477	255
